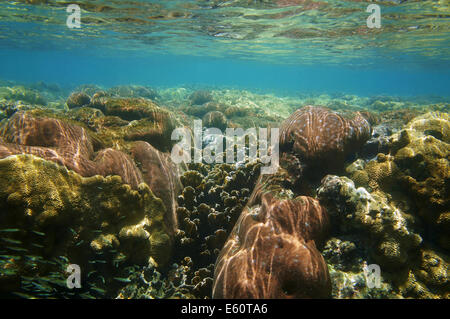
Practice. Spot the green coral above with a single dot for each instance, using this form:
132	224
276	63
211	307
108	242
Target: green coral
96	222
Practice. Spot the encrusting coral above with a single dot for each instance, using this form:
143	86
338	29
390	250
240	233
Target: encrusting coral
416	171
397	215
95	222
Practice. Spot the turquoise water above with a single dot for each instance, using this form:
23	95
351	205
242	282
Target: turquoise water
87	177
320	46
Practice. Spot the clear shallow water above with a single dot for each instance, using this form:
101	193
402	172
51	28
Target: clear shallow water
137	69
283	45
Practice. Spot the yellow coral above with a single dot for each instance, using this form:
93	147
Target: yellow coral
40	194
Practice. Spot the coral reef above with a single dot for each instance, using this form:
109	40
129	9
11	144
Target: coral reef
273	245
200	97
78	99
390	230
135	91
98	223
215	119
397	215
272	254
24	94
86	178
210	203
65	144
416	171
137	119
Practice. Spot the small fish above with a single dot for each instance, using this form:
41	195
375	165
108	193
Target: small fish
37	245
38	233
22	295
122	279
99	290
9	230
101	261
91	272
73	231
17	249
79	243
12	241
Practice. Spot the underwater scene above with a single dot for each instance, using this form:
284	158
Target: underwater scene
224	149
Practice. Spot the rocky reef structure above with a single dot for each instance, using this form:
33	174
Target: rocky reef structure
209	205
215	119
74	176
89	182
78	99
66	144
200	97
98	223
272	250
312	136
393	211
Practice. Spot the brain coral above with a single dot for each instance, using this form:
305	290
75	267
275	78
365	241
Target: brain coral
73	147
317	133
95	222
271	252
66	144
320	140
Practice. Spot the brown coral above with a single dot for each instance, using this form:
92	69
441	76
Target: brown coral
161	175
78	99
66	144
321	138
271	252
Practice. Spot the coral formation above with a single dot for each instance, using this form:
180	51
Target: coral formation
86	179
65	144
200	97
315	135
209	205
273	244
95	222
390	230
272	253
397	216
215	119
78	99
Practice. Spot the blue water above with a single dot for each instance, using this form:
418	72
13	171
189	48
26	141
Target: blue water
69	68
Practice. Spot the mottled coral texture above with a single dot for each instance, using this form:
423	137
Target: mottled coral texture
75	148
66	144
271	252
